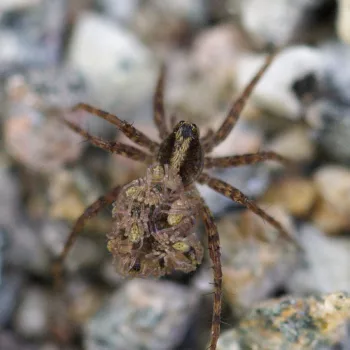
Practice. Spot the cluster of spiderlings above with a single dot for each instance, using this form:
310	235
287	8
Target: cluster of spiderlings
154	220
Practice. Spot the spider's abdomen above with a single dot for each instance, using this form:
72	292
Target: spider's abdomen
154	220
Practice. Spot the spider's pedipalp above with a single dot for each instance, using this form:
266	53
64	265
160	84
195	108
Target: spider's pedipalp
210	141
127	129
237	196
113	147
158	106
244	159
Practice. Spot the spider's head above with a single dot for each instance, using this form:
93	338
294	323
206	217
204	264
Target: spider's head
182	151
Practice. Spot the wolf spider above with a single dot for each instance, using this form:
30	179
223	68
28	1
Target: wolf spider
154	216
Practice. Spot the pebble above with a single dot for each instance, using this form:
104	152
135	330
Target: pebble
295	194
140	316
30	130
326	261
118	70
290	66
11	284
333	183
294	143
30	34
255	262
32	317
292	323
343	20
281	22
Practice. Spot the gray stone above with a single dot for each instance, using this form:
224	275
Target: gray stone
313	323
32	317
326	263
274	93
279	22
10	287
144	314
119	69
24	32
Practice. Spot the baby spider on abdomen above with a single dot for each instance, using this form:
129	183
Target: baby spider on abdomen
154	216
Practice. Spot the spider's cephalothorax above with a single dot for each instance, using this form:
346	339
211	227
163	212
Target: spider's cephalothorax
154	219
154	216
183	152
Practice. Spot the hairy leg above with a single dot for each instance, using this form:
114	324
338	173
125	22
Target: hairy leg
237	196
127	129
211	141
214	253
158	106
89	213
113	147
244	159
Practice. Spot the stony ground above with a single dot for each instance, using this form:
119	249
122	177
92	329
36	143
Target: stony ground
55	53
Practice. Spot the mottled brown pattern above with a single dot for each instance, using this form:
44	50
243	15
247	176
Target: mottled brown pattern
211	141
154	216
158	105
127	129
244	159
237	196
112	146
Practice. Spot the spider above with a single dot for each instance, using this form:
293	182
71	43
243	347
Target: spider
154	216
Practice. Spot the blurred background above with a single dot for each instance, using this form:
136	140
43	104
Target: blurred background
56	53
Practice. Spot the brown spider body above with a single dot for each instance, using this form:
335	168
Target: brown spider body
154	216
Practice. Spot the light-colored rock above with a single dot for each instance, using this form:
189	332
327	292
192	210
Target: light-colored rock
312	323
295	143
333	182
296	194
256	260
144	313
32	317
279	22
343	20
326	263
274	92
119	69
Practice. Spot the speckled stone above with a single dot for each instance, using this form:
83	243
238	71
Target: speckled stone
255	259
144	314
310	324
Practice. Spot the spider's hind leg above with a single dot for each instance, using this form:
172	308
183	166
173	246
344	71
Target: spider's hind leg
237	196
89	213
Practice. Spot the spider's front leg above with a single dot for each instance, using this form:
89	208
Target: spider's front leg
210	141
89	213
127	129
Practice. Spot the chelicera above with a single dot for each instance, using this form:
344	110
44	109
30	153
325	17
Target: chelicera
154	216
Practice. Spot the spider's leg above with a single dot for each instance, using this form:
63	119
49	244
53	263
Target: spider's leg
89	213
237	196
211	141
244	159
126	128
158	106
214	253
113	147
